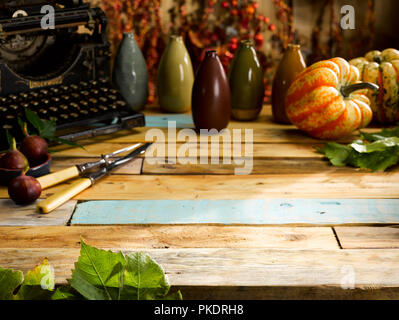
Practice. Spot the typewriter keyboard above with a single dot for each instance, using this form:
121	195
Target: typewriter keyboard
79	105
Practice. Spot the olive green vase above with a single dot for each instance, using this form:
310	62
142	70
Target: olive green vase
130	74
246	83
175	77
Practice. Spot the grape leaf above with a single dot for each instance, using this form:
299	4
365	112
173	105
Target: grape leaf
106	275
377	152
9	281
38	284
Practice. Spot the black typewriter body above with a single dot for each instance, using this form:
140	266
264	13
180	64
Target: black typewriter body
60	73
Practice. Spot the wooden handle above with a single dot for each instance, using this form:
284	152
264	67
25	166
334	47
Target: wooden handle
58	199
55	178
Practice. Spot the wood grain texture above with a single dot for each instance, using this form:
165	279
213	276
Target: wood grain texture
151	237
279	151
247	267
260	166
313	212
13	215
368	237
319	186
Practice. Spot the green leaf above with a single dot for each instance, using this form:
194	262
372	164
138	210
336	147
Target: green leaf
38	283
66	293
384	133
9	281
48	131
34	119
97	269
375	161
378	145
337	153
106	275
9	140
144	278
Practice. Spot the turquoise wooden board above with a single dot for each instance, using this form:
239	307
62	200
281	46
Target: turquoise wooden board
248	212
182	121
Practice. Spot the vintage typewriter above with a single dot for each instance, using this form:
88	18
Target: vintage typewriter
60	73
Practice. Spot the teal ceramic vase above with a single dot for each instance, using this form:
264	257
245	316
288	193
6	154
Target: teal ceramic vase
175	77
246	83
130	74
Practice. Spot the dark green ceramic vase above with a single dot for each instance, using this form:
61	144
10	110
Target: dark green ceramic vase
175	77
130	74
246	83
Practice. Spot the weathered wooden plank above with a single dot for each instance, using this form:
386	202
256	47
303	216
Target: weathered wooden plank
280	151
151	237
260	166
368	237
239	212
316	186
13	215
246	267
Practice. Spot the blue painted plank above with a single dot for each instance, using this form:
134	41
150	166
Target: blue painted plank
249	212
182	121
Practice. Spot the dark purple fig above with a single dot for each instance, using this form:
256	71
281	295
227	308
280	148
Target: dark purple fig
35	148
14	160
24	190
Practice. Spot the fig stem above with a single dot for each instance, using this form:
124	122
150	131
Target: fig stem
26	133
13	144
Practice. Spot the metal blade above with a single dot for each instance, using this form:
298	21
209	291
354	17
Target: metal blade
91	165
110	155
117	163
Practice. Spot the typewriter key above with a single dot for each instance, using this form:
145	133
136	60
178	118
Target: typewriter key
93	110
24	95
44	92
105	90
103	108
74	106
85	94
74	87
84	112
93	82
55	90
34	94
83	84
64	117
65	98
93	101
64	107
95	92
84	104
121	103
74	115
112	97
56	99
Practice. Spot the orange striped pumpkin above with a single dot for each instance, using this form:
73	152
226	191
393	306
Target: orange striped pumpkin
325	101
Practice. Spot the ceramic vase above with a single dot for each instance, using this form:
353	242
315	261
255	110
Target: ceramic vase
246	83
175	77
130	74
289	68
211	100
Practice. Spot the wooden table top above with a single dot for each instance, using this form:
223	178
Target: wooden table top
295	228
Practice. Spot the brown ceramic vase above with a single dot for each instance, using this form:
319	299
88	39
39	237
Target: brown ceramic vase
211	101
289	68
